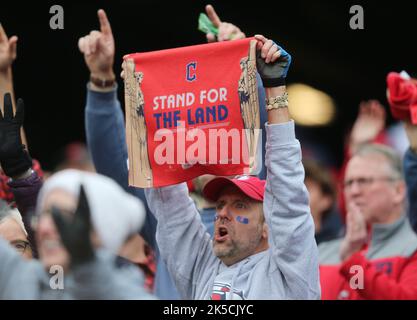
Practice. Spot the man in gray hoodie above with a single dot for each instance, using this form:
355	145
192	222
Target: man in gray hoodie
263	245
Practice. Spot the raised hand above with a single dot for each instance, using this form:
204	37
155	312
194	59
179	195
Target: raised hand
272	62
75	231
369	123
227	31
356	232
14	158
98	49
7	50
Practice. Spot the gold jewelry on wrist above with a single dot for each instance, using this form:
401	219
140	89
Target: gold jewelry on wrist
277	102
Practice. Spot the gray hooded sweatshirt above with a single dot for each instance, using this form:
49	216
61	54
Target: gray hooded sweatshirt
287	270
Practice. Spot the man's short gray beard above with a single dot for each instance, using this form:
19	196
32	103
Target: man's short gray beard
225	252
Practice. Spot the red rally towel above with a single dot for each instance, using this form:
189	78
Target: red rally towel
402	96
191	111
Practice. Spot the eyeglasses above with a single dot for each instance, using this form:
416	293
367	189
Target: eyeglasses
20	245
365	182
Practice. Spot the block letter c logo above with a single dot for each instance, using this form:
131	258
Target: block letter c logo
191	71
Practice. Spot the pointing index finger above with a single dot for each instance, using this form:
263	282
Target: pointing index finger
261	38
3	34
105	27
214	18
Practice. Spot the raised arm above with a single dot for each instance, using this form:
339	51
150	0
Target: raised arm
16	163
7	56
105	128
286	204
369	123
8	53
14	156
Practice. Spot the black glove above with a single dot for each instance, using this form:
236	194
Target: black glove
273	74
75	231
14	159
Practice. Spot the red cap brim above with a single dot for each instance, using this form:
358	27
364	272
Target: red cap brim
251	187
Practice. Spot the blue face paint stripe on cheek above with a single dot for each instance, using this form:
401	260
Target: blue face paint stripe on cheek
242	219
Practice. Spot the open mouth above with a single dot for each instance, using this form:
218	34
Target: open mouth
222	234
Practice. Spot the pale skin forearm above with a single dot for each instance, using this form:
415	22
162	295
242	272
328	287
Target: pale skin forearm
281	115
6	84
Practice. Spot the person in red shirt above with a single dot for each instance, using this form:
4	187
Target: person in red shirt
377	258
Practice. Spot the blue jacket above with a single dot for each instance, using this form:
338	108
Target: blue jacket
106	140
410	171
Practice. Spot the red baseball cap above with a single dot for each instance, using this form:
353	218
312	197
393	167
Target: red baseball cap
251	186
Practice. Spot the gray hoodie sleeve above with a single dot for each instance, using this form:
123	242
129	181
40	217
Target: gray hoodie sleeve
183	241
287	213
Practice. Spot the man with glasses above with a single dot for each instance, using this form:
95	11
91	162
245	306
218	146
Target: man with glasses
13	230
377	257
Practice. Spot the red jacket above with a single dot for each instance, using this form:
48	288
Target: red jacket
388	265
